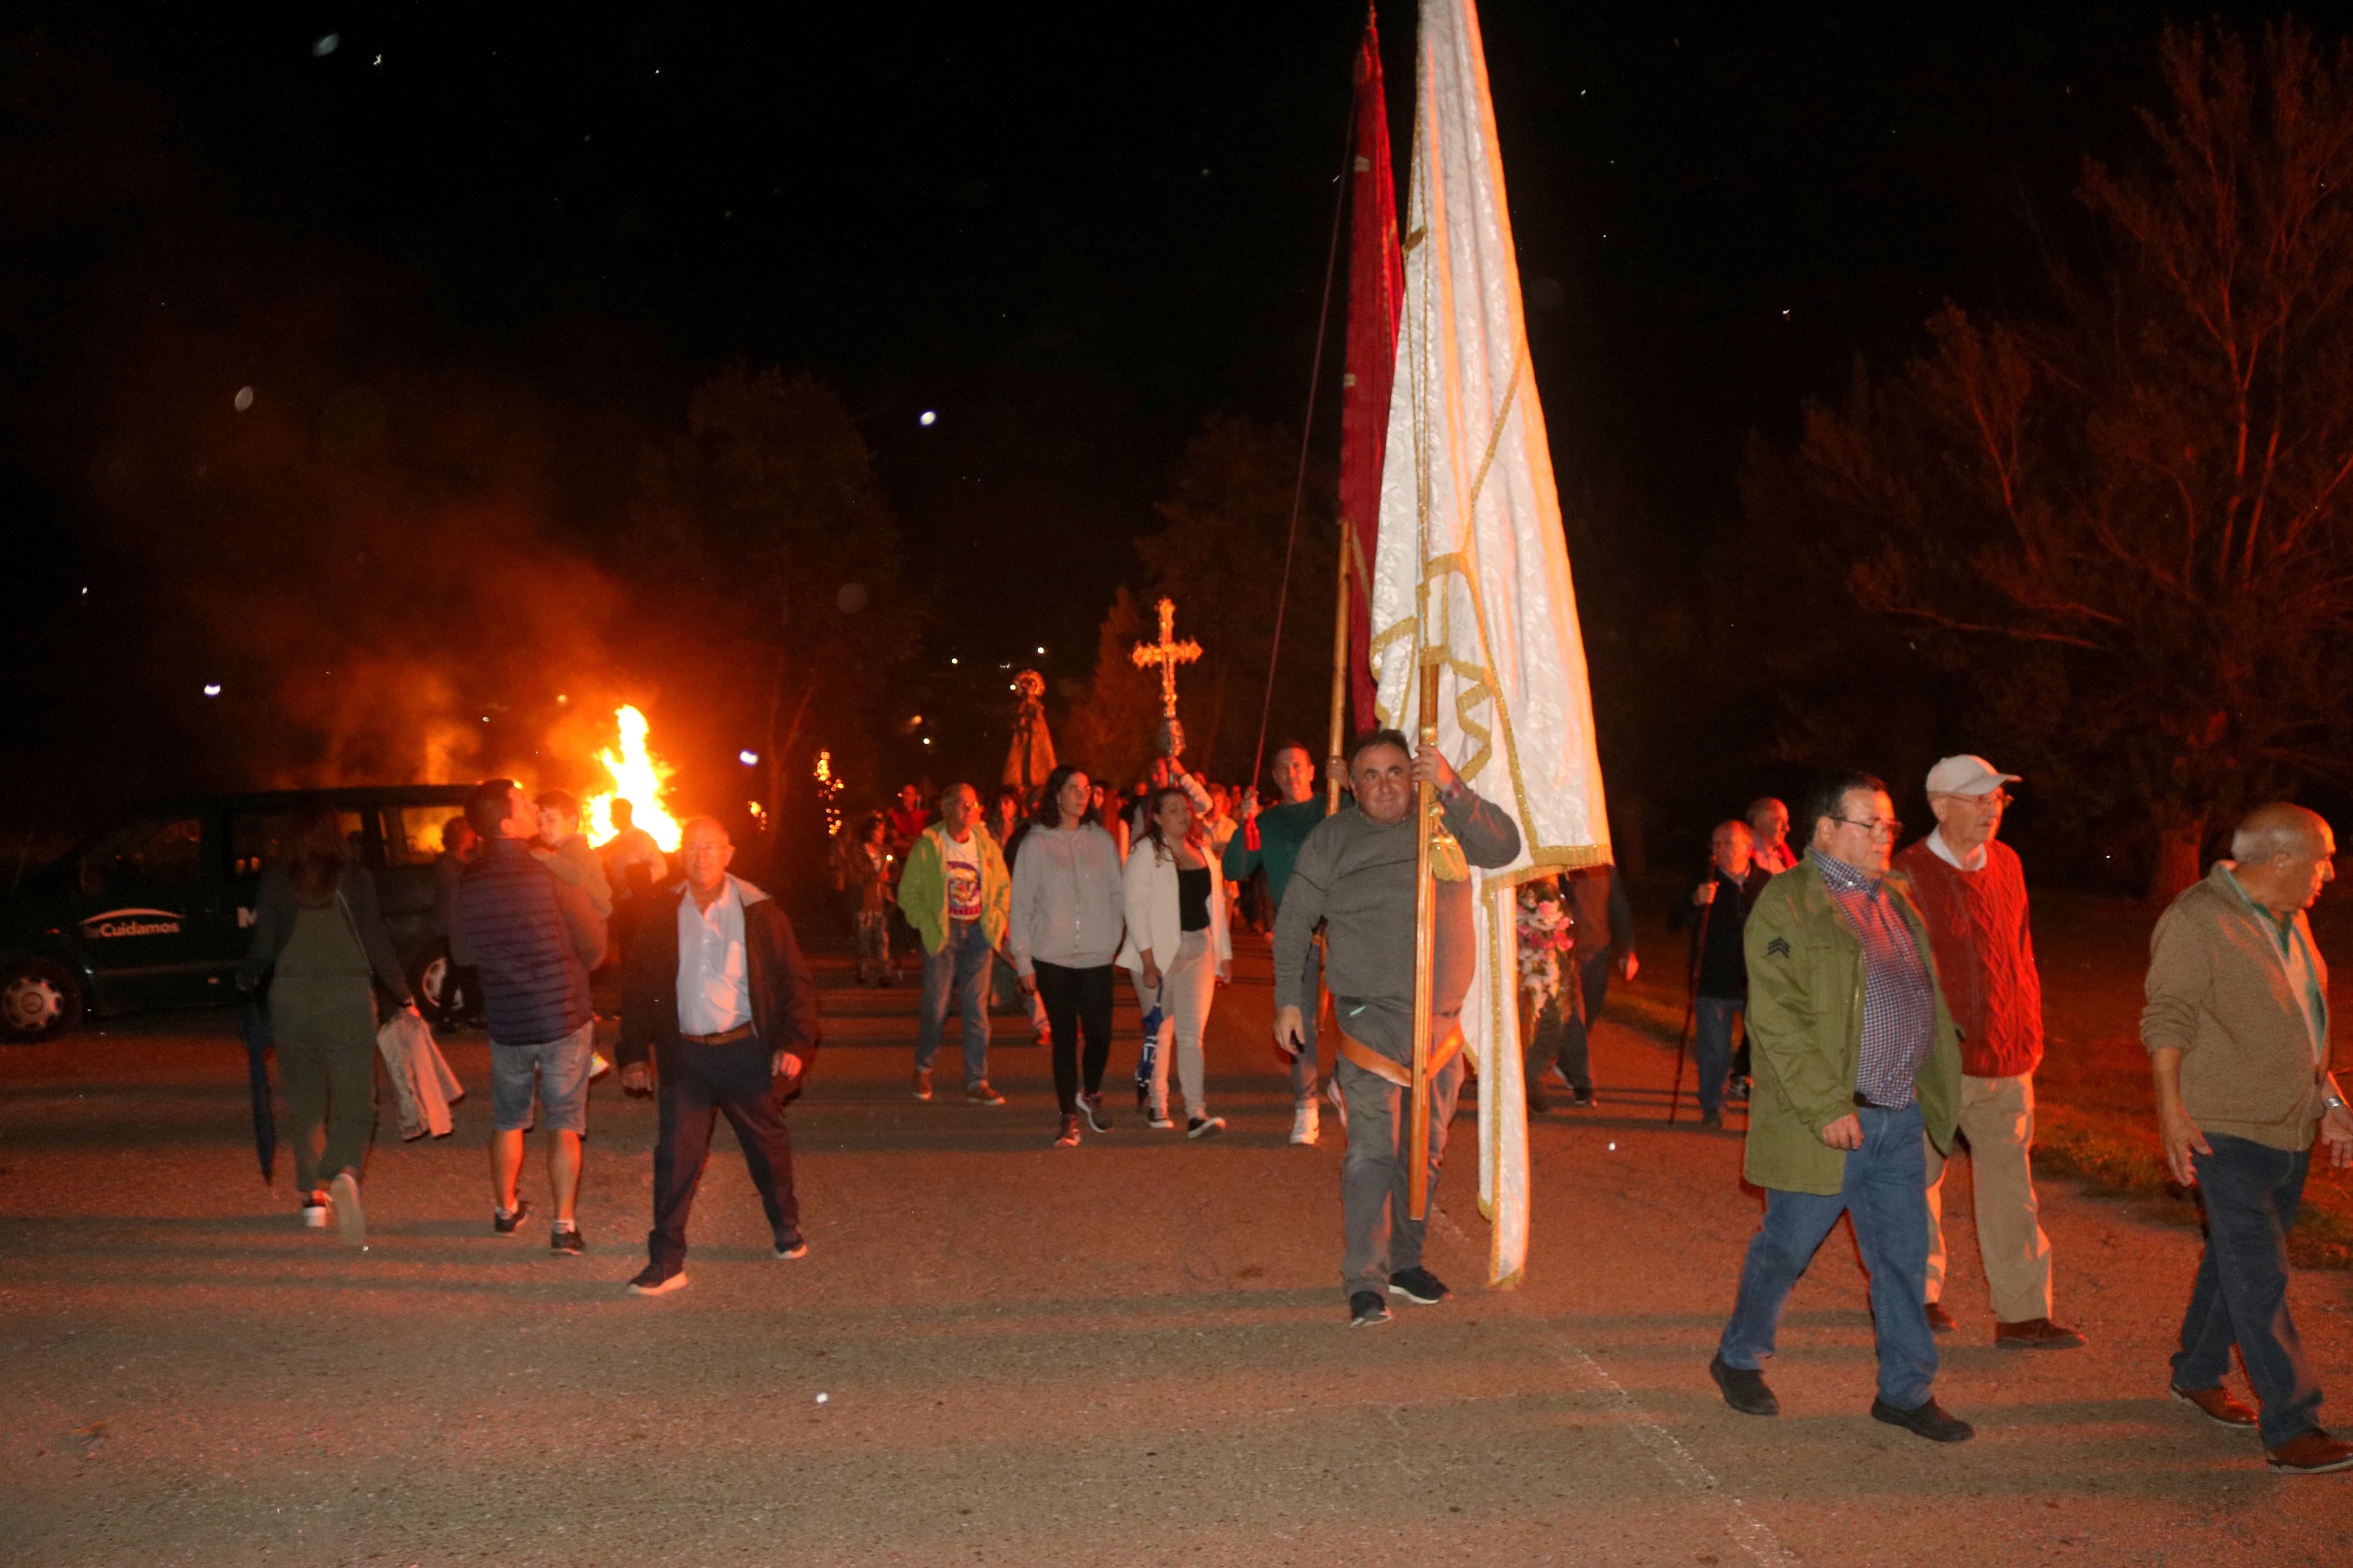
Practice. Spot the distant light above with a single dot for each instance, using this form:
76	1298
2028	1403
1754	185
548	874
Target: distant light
326	45
85	594
1041	647
561	700
244	399
951	659
212	688
927	740
749	758
927	416
486	718
379	59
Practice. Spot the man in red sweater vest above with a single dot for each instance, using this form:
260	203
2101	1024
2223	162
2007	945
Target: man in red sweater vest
1972	894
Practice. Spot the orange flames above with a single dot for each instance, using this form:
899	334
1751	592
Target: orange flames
638	777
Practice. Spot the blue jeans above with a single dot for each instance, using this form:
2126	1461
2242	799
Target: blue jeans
1713	1046
2251	1192
958	972
1886	1192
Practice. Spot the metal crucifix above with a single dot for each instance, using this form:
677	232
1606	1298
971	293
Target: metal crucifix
1167	653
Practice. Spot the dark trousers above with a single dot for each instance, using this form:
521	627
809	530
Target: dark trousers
1714	1017
1077	1001
2251	1193
1575	1055
699	1083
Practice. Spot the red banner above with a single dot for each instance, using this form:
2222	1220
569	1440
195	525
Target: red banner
1375	292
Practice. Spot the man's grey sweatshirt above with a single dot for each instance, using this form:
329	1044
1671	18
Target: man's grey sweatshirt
1357	877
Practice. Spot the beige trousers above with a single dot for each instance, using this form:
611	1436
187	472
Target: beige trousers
1998	1119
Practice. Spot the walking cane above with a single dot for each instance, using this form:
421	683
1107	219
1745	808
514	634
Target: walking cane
1691	1006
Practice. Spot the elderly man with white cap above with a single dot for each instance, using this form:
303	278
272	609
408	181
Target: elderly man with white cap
1972	894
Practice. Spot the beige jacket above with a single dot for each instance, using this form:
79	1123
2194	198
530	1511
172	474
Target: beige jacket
2218	992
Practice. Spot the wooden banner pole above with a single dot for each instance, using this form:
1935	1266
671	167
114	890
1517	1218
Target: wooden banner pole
1425	934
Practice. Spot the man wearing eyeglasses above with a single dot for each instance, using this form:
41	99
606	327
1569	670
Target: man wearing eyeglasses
1855	1058
1973	893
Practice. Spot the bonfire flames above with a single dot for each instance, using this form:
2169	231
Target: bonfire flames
638	777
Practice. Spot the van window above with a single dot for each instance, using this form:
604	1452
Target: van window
412	834
258	838
145	856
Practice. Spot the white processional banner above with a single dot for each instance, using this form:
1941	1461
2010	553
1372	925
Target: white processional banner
1473	568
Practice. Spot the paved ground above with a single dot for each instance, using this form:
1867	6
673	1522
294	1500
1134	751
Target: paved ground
1130	1352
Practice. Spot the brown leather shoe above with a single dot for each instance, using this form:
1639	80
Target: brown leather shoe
2311	1454
2035	1335
1941	1320
2216	1405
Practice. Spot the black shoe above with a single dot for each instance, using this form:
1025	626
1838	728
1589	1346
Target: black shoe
1581	1100
1737	1091
1143	1096
1744	1391
1711	1120
1419	1286
1537	1103
1930	1421
795	1247
505	1224
1202	1126
655	1280
565	1243
1939	1320
1365	1309
1091	1106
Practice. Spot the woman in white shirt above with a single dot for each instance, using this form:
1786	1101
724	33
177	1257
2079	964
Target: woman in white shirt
1177	945
1063	932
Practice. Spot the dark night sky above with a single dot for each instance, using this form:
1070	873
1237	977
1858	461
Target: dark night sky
1073	236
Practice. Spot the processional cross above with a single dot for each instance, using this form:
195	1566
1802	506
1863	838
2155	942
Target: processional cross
1167	653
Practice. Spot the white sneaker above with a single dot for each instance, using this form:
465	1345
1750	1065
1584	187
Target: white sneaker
1306	1124
314	1211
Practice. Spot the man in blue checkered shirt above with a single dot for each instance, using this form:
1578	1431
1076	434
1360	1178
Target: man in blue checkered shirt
1856	1059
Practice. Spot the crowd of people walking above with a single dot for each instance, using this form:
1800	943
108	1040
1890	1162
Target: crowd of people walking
1871	1008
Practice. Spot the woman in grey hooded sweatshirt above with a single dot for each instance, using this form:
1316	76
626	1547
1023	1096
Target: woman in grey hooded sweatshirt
1064	930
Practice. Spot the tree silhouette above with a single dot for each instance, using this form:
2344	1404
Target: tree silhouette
2128	521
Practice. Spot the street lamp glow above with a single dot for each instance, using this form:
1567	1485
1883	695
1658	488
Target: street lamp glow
927	417
212	688
748	757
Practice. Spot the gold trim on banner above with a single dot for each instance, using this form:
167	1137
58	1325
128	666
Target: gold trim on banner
1477	680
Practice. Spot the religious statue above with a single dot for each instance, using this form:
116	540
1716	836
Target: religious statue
1031	756
1167	653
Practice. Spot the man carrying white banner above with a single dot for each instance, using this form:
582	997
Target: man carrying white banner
1471	576
1356	875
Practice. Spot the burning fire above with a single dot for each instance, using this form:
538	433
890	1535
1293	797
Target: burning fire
640	778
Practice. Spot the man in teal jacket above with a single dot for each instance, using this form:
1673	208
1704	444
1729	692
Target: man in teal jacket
1270	838
1855	1058
957	895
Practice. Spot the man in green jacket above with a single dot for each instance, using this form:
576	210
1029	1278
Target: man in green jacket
955	893
1855	1056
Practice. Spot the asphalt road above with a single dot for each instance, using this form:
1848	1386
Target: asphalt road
997	1351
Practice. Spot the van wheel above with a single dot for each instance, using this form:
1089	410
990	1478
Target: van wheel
40	1000
428	982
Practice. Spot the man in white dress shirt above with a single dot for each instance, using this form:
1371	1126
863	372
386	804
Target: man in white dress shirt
716	988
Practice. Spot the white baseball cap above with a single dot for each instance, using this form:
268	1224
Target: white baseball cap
1968	775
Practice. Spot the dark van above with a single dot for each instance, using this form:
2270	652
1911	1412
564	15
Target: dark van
156	911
